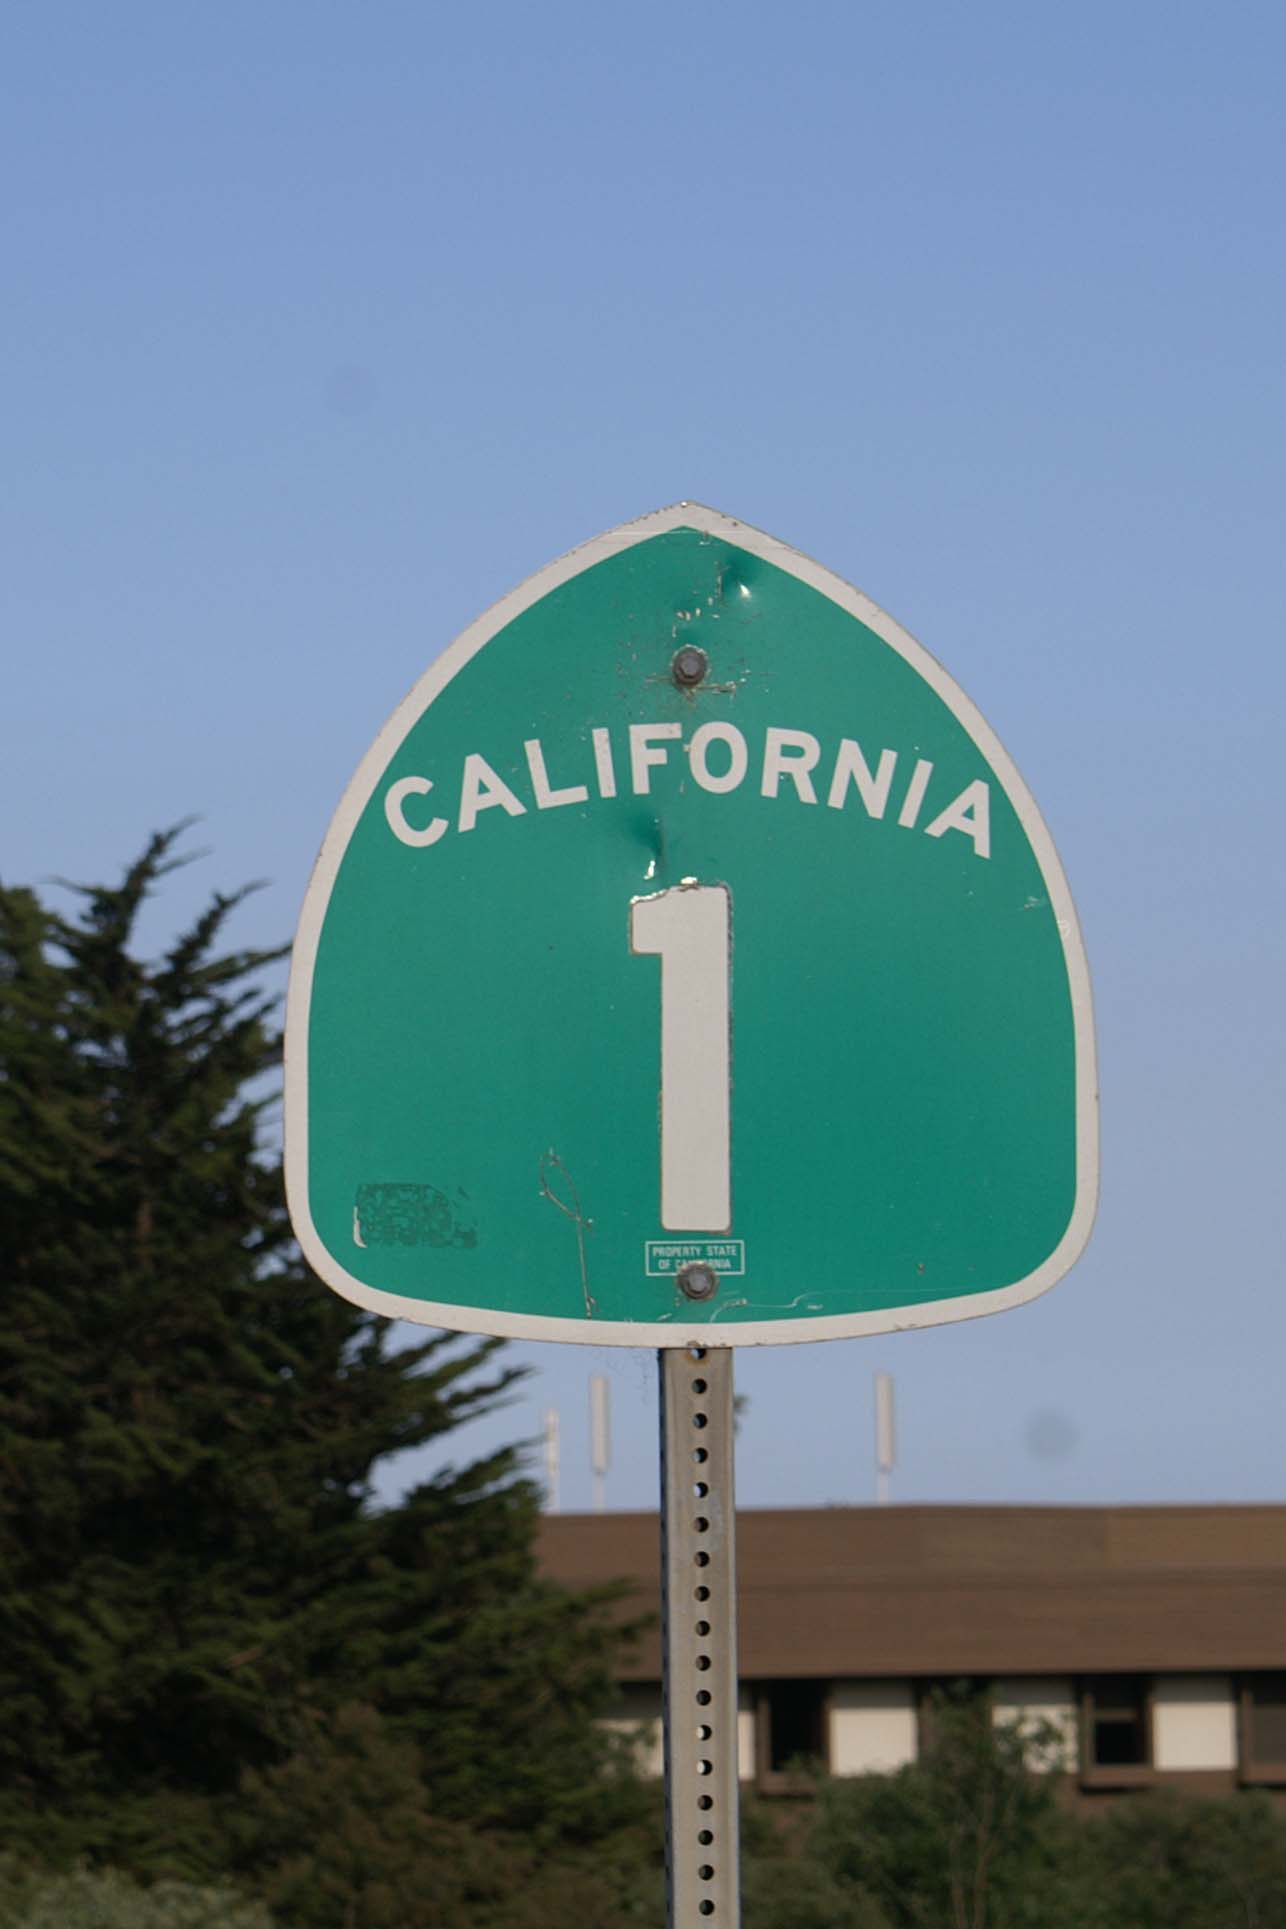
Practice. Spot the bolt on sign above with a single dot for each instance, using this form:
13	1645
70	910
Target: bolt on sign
688	963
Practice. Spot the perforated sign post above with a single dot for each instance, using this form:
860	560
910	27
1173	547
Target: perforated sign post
687	965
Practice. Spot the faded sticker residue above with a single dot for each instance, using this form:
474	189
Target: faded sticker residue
412	1215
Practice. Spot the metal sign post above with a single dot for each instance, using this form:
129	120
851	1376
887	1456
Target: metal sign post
699	1637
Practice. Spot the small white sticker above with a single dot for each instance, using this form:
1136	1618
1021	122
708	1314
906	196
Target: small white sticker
663	1257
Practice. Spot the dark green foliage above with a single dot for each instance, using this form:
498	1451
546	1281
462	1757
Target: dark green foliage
346	1831
1161	1862
966	1838
193	1578
786	1883
976	1836
105	1899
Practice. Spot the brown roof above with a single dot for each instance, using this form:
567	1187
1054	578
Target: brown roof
849	1591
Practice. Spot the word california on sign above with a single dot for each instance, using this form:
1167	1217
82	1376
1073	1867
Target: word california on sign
719	759
687	962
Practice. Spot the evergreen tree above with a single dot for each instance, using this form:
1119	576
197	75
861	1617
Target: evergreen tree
193	1573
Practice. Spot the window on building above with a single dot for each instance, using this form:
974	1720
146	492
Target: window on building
790	1728
1116	1726
1263	1728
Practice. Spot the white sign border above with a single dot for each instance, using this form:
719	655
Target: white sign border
647	1333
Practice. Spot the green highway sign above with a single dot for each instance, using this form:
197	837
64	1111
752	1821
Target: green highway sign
688	962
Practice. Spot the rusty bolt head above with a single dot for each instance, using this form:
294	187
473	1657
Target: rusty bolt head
698	1281
689	666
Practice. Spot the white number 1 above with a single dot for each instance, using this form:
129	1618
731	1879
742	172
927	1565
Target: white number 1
689	928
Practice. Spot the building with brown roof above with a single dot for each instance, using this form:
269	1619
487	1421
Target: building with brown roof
1153	1639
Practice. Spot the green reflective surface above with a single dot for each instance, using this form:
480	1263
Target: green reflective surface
483	1050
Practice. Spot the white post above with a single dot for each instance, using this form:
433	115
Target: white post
600	1444
551	1459
885	1443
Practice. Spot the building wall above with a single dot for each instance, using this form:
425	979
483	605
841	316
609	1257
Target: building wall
745	1734
1157	1618
1038	1702
978	1592
1194	1722
872	1727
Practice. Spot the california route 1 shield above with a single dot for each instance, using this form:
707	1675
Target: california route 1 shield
687	961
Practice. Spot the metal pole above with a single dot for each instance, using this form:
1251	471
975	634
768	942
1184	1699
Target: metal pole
699	1637
885	1442
600	1444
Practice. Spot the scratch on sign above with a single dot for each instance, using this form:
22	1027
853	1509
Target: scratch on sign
550	1162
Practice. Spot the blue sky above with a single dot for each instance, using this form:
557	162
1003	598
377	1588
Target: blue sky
325	325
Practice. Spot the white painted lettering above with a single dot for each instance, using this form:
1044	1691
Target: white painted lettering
790	753
604	768
718	756
481	789
970	813
547	798
395	797
915	794
738	756
851	768
646	750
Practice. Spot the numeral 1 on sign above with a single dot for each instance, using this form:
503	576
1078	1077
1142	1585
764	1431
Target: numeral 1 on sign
689	929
